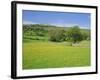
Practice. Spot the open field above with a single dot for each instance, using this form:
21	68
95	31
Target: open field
46	54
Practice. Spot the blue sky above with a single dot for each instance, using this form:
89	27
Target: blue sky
63	19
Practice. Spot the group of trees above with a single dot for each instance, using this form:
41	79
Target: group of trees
73	34
57	35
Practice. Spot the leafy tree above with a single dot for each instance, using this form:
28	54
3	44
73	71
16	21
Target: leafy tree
86	35
57	35
74	34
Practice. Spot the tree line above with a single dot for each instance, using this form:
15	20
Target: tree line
57	34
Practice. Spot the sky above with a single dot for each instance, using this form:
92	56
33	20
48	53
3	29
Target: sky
61	19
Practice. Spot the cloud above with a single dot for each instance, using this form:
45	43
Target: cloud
28	22
71	25
80	26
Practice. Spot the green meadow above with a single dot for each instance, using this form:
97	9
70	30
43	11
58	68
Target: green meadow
39	51
53	55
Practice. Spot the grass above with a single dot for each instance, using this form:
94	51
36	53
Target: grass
39	54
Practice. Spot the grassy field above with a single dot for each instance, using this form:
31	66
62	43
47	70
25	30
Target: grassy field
39	54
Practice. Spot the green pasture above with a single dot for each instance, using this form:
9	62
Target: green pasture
46	54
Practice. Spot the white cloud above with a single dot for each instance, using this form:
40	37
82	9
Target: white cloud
28	22
71	25
82	27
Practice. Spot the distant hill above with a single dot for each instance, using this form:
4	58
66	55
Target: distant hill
47	27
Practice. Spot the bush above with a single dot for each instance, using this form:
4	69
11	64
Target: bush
86	35
40	34
57	35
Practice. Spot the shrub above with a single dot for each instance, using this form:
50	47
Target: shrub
57	35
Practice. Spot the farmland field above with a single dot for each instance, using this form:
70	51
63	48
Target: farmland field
46	54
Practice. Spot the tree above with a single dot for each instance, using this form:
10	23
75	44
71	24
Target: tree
86	35
74	34
57	35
